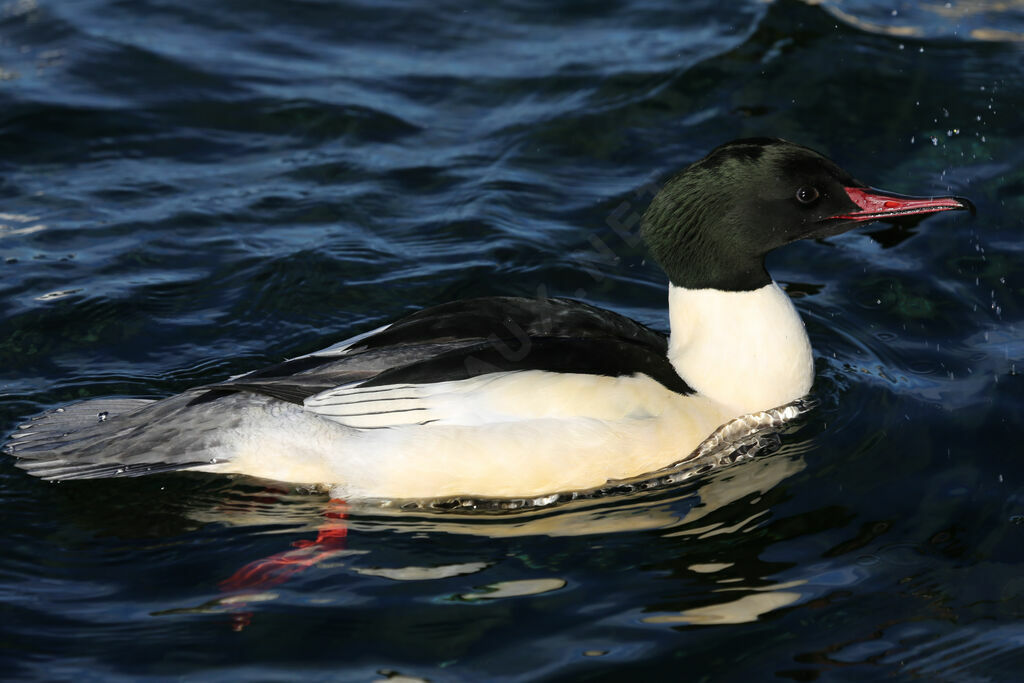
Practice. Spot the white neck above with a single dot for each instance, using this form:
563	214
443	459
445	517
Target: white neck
747	350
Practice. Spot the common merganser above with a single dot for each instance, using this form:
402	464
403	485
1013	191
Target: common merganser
510	397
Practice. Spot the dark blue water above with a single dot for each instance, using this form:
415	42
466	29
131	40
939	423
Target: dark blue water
193	190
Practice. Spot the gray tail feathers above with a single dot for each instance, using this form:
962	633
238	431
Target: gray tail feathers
118	437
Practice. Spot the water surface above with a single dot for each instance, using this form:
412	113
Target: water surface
190	192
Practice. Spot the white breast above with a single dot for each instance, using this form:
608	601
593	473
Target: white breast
748	350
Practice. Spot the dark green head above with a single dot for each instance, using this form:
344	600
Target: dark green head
712	224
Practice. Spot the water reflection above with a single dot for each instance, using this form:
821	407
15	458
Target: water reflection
338	539
987	20
738	611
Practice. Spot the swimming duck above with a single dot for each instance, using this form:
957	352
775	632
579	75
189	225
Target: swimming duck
512	397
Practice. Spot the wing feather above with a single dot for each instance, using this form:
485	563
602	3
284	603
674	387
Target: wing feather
469	338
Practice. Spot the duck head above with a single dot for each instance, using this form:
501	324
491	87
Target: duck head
712	224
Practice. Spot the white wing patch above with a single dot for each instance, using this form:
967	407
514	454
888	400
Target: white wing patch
341	348
493	398
403	404
373	407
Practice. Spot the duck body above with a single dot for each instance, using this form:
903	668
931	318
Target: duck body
508	397
497	397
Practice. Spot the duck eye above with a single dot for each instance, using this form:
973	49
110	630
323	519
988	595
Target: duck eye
806	194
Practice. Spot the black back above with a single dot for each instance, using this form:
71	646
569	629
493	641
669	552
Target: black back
473	337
